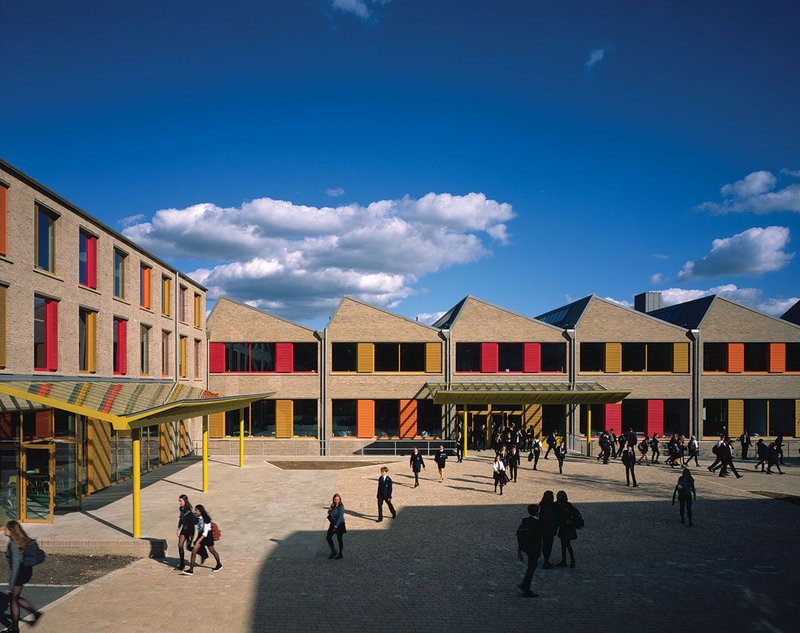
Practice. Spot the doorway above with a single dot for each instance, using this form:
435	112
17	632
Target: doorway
38	482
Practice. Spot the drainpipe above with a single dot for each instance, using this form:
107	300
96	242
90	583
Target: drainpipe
448	410
323	390
697	402
569	333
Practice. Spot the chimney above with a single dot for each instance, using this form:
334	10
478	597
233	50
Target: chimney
648	301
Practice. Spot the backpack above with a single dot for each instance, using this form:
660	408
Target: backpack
32	555
715	449
216	533
524	537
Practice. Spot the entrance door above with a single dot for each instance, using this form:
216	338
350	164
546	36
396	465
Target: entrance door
38	484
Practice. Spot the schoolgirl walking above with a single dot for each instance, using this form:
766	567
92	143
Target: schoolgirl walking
205	538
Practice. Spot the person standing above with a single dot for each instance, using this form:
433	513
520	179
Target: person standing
441	461
336	525
548	521
569	519
774	458
561	453
498	473
417	463
204	538
19	574
186	525
551	443
529	542
513	463
536	449
655	454
745	442
385	493
779	446
629	460
685	491
460	446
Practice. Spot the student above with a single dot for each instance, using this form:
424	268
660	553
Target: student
726	456
551	443
548	521
569	519
441	461
655	454
336	526
746	443
385	493
186	525
460	446
204	538
684	490
416	463
774	454
629	460
536	449
513	464
762	452
529	541
498	473
643	450
561	453
19	574
694	451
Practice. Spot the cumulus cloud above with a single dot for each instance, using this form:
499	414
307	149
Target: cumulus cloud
757	193
619	302
334	192
297	261
429	318
358	8
753	252
132	219
596	55
656	278
752	297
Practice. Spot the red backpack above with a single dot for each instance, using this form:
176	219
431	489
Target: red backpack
216	533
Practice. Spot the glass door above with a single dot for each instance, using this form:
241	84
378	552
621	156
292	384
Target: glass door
38	484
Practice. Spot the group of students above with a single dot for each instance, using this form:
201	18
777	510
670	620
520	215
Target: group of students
195	533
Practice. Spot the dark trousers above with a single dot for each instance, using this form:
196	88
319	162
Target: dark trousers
560	459
550	447
380	507
566	546
512	471
460	451
728	463
620	449
547	545
533	561
693	456
630	473
329	537
536	458
745	450
686	506
416	478
656	455
773	464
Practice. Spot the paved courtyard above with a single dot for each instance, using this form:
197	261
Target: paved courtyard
448	562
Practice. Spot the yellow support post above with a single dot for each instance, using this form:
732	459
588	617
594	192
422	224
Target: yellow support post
241	438
136	437
464	438
588	430
205	453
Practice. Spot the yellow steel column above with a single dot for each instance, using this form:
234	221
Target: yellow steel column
464	438
588	430
205	453
136	441
241	438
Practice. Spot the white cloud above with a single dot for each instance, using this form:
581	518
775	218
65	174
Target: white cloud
429	318
660	256
755	193
753	252
619	302
334	192
359	8
595	56
298	261
794	173
752	297
132	219
656	278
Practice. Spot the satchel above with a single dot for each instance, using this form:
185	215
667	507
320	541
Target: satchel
530	456
32	555
505	477
342	529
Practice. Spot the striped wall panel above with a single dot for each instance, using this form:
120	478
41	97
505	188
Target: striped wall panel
98	455
216	425
680	358
284	358
184	441
433	358
166	442
655	417
735	418
613	358
216	358
777	358
408	418
613	415
532	358
532	416
489	358
284	418
365	358
365	418
735	358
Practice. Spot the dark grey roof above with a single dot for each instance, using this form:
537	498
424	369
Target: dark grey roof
792	315
566	316
446	321
688	314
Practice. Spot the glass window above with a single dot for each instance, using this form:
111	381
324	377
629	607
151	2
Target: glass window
554	357
387	418
756	357
9	427
554	418
510	357
792	356
237	357
182	304
39	332
67	485
412	357
781	417
87	260
262	418
45	239
119	274
468	356
344	418
593	356
387	357
165	353
64	423
344	357
305	357
305	418
676	417
87	341
634	415
715	417
659	356
9	484
715	357
755	416
262	357
144	350
429	418
37	425
633	357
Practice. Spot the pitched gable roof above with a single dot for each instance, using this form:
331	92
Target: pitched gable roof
445	322
792	315
566	316
689	314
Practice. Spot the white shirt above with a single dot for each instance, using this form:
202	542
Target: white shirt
498	467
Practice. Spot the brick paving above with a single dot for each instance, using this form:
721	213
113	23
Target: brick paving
448	561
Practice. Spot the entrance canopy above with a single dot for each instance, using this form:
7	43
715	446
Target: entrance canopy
522	393
125	405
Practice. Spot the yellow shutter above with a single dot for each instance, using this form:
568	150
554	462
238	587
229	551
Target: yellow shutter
797	418
183	357
284	418
3	327
166	295
197	310
532	416
366	358
433	358
613	358
98	455
166	437
216	425
680	358
735	418
184	440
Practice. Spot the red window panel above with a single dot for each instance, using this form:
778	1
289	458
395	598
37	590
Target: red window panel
216	358
42	424
735	358
777	358
532	358
655	417
8	425
51	336
284	358
3	220
614	417
91	261
489	358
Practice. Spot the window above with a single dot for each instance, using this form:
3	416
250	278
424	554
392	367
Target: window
237	357
553	357
305	357
198	307
45	334
715	357
412	357
232	419
510	357
387	357
120	351
87	340
305	418
144	350
468	357
633	357
87	260
344	417
344	357
792	356
3	326
781	417
3	219
198	350
387	418
182	304
715	416
593	356
165	353
119	274
145	281
45	239
429	418
166	304
262	357
756	356
262	419
660	357
183	342
676	417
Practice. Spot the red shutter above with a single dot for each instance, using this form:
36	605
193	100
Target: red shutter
51	336
216	358
3	220
614	417
284	358
655	417
42	424
91	262
8	425
532	358
489	358
122	346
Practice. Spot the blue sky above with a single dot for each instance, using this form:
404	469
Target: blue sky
410	152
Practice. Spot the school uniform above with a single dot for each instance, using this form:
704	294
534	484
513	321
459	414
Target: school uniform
385	495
